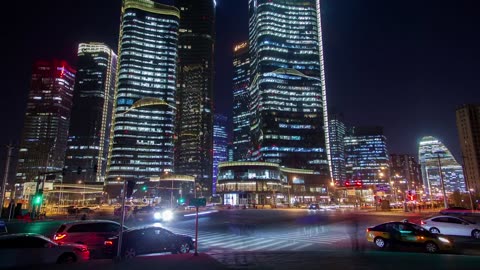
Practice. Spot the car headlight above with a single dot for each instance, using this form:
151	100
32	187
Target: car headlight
444	240
167	215
157	215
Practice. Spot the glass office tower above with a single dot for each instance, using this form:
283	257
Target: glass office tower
241	111
143	132
89	134
287	87
194	145
45	132
220	145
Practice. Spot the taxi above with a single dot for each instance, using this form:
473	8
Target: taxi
407	234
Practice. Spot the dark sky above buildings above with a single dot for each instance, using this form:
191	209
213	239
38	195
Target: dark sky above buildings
402	64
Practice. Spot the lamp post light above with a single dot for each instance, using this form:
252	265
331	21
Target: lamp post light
471	200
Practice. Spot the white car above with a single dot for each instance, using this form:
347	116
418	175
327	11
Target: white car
451	226
24	249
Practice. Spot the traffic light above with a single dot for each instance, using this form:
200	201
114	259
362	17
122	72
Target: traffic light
37	199
145	188
181	200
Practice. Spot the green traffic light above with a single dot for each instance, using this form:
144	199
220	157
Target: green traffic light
144	188
37	200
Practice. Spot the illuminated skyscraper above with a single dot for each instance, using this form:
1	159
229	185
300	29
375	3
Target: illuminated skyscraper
194	145
220	144
144	114
468	127
366	156
434	158
337	147
405	171
89	133
241	111
287	86
45	131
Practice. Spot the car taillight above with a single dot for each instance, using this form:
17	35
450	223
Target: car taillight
108	243
423	222
368	229
59	236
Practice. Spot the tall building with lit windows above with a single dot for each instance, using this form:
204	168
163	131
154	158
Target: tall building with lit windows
241	112
337	147
145	109
45	131
437	164
366	156
220	145
287	88
194	130
89	134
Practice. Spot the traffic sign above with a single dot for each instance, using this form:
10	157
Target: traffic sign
198	202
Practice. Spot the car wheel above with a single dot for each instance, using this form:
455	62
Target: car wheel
476	234
380	242
431	247
184	248
129	253
66	258
434	230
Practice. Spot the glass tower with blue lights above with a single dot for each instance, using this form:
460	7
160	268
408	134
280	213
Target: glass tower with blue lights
220	144
436	159
90	124
287	87
142	146
366	156
337	134
241	112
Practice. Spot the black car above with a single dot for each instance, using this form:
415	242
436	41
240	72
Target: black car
314	206
151	239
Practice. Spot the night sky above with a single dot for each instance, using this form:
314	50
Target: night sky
402	64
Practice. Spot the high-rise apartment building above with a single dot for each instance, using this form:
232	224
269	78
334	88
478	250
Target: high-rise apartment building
438	163
366	156
45	131
287	85
193	148
241	102
405	171
337	147
220	144
145	107
468	126
89	134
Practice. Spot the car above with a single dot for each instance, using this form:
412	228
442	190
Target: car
459	211
149	239
89	232
314	206
407	234
25	249
451	226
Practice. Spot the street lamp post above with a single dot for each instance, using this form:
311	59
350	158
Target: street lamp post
445	201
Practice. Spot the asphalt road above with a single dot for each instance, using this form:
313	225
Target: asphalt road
272	230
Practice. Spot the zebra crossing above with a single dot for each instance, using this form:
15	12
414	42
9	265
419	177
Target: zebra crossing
291	241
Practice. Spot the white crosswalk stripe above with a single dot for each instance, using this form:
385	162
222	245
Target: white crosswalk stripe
291	241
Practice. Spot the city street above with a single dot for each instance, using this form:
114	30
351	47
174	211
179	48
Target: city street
253	237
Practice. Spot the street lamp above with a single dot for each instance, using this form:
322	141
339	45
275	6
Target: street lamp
80	181
470	195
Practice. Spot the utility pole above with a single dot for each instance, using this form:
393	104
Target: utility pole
5	176
445	200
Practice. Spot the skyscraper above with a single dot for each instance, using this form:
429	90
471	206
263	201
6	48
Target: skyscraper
45	132
241	111
366	156
337	147
220	143
405	171
435	158
287	85
468	126
89	134
143	133
194	145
